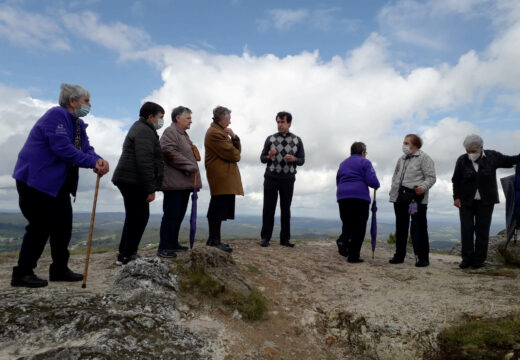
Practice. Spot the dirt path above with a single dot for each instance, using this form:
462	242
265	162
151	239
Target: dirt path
321	307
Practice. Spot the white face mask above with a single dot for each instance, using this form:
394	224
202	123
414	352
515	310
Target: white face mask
474	156
406	150
159	124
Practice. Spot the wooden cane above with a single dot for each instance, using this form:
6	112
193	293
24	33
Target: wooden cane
373	215
89	245
194	189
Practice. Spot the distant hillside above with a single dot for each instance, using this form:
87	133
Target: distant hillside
108	226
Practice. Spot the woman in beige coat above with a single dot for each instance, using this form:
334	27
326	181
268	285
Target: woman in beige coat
181	176
222	155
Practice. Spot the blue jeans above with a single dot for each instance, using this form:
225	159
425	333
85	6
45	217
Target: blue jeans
175	204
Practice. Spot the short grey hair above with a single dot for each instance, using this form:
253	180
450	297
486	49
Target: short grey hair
179	110
472	141
219	112
74	92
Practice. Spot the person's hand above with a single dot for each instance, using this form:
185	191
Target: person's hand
187	173
290	158
151	197
456	203
102	167
271	154
419	190
230	132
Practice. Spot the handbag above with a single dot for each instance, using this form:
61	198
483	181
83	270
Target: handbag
407	195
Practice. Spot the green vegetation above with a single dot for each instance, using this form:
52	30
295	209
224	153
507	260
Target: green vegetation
253	269
391	238
480	339
196	280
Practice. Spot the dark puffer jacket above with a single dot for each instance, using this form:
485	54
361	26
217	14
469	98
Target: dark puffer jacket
141	162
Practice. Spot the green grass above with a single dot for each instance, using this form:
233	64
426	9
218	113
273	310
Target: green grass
480	339
252	307
252	268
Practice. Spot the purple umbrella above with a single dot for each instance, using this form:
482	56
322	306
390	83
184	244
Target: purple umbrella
373	225
193	216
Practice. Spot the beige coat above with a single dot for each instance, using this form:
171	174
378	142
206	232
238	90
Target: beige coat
221	158
179	159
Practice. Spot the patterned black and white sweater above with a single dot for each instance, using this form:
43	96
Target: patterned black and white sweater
288	144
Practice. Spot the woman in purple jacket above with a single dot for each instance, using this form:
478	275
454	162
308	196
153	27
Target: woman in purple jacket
46	174
354	176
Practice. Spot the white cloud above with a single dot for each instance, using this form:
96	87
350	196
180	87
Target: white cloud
115	36
30	30
283	19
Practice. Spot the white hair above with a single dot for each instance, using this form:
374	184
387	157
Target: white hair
74	92
472	141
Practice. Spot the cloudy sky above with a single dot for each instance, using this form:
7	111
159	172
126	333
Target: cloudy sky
368	71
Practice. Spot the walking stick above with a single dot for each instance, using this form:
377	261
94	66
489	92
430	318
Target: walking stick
89	245
373	240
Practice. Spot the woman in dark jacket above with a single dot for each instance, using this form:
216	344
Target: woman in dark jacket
475	193
138	175
354	176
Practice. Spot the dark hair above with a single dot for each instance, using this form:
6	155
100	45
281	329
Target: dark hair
150	108
220	111
284	115
179	110
415	140
358	148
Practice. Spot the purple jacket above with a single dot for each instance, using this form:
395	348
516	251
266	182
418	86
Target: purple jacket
49	150
355	175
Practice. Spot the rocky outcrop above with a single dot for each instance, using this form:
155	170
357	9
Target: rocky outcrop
138	319
510	252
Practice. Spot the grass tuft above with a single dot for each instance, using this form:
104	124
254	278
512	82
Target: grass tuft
480	339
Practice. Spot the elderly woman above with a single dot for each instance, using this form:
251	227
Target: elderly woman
223	149
475	194
138	175
181	175
46	174
354	176
414	175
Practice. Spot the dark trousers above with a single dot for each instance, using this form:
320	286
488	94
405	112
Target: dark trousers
273	186
475	221
137	212
354	217
221	208
175	203
49	218
418	231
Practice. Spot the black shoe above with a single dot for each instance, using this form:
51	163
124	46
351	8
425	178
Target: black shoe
167	254
223	248
287	243
123	260
180	248
135	256
422	263
464	264
264	243
478	265
355	261
64	275
396	260
30	281
342	247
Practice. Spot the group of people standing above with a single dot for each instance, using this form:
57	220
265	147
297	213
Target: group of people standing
46	175
475	194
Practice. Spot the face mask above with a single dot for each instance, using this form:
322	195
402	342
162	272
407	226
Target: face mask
159	124
85	109
406	150
474	156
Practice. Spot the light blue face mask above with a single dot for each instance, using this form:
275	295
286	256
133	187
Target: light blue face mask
85	109
159	124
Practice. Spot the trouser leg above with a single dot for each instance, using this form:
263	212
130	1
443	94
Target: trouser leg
286	194
137	213
270	200
483	215
61	231
214	226
175	203
38	209
467	231
344	215
359	216
419	233
402	223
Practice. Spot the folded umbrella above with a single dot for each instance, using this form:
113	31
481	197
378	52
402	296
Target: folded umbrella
373	225
193	216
